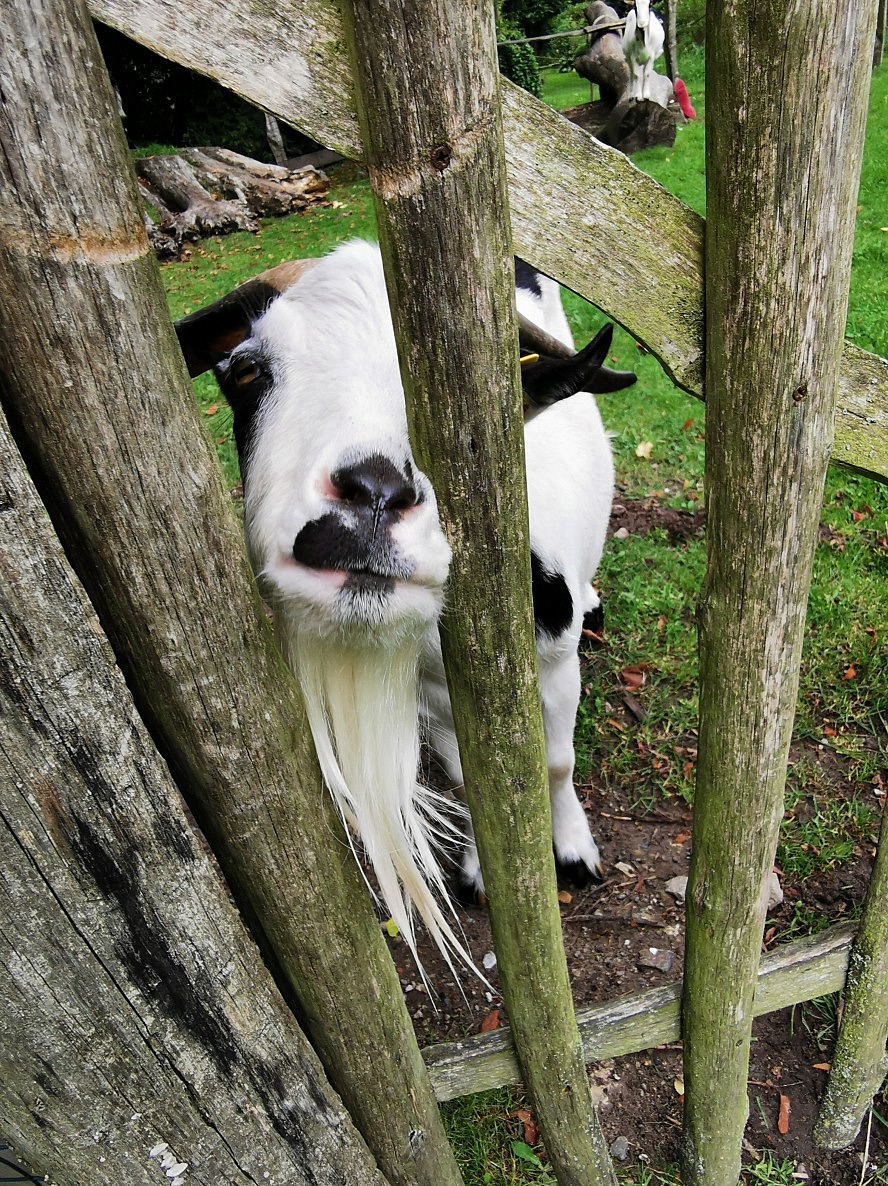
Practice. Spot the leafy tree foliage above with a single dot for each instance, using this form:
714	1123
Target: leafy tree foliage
517	62
533	16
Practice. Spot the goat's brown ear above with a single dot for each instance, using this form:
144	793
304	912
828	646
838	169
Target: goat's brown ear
209	334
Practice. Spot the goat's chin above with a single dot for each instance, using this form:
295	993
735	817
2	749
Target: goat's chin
362	707
359	610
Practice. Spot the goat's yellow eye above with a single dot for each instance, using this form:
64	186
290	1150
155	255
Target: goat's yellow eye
527	359
244	372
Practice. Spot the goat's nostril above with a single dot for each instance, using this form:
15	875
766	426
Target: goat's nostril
375	483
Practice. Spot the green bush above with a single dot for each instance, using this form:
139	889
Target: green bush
517	62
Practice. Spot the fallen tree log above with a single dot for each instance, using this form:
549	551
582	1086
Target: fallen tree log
267	191
191	211
212	191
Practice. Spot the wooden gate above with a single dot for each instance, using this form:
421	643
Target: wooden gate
457	157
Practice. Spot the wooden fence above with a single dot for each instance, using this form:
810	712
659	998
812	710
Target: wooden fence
445	168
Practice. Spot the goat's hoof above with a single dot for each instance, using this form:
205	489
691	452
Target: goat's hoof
579	874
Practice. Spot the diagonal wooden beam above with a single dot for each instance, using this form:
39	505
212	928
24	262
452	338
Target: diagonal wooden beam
581	212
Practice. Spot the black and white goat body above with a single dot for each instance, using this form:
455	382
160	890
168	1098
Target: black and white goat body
343	534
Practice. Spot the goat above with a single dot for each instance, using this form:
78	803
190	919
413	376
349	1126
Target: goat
643	41
343	534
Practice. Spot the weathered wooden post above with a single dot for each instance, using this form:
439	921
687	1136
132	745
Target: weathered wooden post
782	176
97	397
138	1023
860	1062
428	100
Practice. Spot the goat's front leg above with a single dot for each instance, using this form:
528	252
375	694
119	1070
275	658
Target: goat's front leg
576	852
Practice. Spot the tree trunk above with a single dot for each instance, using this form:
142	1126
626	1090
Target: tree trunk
670	44
97	397
780	204
879	45
135	1011
267	191
438	178
860	1062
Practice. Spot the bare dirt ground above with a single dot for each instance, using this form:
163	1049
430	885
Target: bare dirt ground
626	935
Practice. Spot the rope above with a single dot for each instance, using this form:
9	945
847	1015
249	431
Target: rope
586	30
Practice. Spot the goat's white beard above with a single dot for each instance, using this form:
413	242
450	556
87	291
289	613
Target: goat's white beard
362	706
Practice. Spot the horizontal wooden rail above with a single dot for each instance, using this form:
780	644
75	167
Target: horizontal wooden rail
797	972
581	212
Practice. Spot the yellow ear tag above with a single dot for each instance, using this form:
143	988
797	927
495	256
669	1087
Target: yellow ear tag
527	359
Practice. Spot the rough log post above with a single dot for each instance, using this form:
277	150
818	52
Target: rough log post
860	1062
429	105
782	179
135	1011
97	397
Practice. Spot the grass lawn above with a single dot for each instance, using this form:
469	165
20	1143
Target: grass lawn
650	582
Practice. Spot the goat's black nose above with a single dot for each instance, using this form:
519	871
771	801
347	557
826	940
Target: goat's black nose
377	486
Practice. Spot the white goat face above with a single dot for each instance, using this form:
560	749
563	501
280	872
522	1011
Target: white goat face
339	520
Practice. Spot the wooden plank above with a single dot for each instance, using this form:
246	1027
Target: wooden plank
133	1001
797	972
581	212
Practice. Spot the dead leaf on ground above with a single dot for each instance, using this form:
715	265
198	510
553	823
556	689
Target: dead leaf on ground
633	677
490	1022
528	1124
783	1115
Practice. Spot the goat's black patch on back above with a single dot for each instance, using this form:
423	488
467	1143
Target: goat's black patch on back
526	277
552	602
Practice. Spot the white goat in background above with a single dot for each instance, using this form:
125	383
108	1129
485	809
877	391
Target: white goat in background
343	534
643	41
